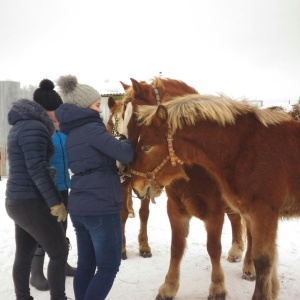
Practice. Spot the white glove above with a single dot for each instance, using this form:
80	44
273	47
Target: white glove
59	211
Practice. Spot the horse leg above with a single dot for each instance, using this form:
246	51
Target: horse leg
131	213
126	189
248	265
144	248
179	220
214	225
264	233
237	246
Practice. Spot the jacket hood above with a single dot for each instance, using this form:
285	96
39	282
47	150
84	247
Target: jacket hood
24	109
70	116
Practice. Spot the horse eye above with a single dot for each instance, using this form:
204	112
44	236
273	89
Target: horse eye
146	148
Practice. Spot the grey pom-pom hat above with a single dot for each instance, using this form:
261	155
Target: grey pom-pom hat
72	92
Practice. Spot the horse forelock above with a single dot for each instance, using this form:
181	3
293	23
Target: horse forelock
145	114
157	82
129	93
191	108
127	116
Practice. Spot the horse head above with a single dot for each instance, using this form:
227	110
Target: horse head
156	164
115	122
158	91
141	93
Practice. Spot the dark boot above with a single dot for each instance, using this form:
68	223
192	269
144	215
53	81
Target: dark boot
37	278
70	271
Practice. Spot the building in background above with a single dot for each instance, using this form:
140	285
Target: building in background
109	89
9	92
12	90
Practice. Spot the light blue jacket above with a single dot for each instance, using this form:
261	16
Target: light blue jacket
60	161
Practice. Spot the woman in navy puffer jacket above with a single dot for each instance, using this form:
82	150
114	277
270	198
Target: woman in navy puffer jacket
32	198
95	200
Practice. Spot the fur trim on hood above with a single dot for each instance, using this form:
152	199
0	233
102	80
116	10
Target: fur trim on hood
24	109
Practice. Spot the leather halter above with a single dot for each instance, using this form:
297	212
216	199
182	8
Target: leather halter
150	176
157	96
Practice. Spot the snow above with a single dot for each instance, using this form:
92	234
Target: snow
140	278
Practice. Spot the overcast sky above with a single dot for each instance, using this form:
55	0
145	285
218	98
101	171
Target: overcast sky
243	48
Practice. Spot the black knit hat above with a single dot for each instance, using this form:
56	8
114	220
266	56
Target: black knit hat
46	96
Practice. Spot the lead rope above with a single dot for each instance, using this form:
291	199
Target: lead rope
115	131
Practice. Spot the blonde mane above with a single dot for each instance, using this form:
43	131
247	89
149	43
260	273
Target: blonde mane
189	109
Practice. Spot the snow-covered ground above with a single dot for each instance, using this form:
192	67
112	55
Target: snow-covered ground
139	278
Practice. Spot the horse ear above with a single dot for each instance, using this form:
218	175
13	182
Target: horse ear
111	102
162	113
138	88
125	86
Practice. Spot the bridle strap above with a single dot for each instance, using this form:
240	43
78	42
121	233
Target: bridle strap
172	156
157	96
151	175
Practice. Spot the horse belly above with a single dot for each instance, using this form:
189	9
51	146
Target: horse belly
291	208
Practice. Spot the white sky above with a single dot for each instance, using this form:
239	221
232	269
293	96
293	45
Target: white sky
242	48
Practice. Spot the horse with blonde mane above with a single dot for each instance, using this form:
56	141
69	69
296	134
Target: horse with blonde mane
197	195
115	126
252	153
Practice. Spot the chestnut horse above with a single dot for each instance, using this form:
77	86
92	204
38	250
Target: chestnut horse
115	126
252	153
114	123
199	196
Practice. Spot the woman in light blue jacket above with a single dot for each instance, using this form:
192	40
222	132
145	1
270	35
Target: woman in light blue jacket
49	99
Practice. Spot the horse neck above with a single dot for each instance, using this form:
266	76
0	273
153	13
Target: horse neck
175	88
110	124
209	145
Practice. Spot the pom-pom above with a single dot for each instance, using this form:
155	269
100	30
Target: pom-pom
67	84
46	84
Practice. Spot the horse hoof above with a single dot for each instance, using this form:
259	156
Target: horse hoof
131	215
145	254
234	259
217	297
248	276
159	297
124	256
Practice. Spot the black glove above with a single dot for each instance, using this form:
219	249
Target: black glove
122	137
52	172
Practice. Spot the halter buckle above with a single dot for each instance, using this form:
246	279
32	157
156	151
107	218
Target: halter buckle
149	176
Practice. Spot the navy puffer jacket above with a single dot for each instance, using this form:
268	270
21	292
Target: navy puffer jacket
30	149
92	154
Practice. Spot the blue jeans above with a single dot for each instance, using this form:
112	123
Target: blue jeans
99	243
